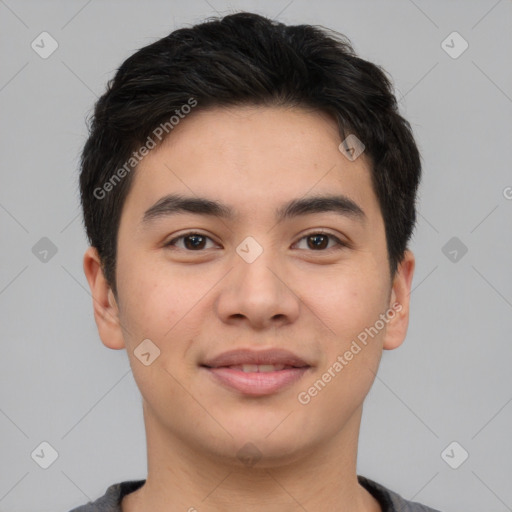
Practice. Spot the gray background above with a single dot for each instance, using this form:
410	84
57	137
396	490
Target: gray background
450	381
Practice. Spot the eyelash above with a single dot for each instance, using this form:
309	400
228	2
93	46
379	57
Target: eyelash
339	243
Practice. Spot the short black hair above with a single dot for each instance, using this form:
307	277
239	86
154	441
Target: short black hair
237	60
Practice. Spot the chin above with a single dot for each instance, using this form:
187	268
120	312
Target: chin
261	453
261	444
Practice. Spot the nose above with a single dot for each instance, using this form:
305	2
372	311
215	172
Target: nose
258	294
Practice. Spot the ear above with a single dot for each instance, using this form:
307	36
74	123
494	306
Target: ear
106	312
399	303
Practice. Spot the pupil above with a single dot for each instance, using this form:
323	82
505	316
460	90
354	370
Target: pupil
315	238
197	241
195	244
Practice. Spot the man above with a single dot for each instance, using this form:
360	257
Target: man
249	191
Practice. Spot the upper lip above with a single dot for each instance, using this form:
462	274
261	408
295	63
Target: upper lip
245	356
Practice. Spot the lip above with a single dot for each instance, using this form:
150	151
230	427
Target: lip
245	356
256	383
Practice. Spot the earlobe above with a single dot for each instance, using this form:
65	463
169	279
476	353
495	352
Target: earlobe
106	312
396	329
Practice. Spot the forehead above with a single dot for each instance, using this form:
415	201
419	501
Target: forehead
250	156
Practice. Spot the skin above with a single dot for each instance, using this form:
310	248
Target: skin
194	304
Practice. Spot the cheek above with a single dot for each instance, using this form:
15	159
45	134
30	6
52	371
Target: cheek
351	357
345	303
351	307
154	310
151	302
164	307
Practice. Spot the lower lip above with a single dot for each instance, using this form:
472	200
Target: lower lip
257	383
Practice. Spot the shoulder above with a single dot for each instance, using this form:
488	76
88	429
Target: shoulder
389	500
110	501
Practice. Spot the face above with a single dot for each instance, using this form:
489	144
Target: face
267	307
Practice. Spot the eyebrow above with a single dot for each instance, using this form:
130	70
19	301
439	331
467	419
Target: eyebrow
173	204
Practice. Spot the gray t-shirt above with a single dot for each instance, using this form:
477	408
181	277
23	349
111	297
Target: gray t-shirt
388	500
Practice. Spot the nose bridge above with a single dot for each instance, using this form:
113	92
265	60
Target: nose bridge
257	289
256	272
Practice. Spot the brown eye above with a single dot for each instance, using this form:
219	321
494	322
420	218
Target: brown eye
191	241
194	242
320	242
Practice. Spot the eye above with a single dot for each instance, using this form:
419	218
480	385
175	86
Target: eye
319	241
192	241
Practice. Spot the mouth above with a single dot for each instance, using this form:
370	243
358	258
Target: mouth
259	368
256	373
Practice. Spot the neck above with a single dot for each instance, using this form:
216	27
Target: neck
180	478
